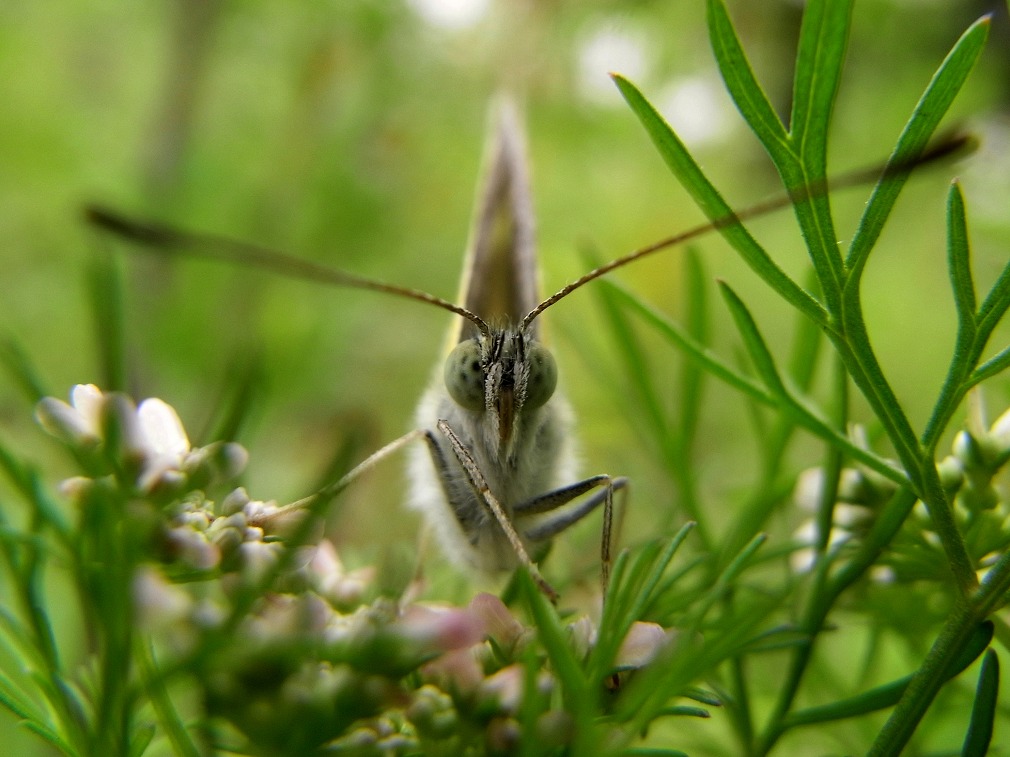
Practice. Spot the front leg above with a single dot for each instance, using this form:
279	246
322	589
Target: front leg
558	522
484	494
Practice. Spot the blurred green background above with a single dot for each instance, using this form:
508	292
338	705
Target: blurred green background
350	132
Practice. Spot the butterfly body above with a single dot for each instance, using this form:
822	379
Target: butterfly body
522	452
496	390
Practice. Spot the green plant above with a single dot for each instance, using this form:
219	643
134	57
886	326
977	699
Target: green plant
211	621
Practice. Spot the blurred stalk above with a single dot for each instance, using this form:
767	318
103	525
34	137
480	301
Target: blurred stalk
192	36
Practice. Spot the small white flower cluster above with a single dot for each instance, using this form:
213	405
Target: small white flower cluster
146	446
335	661
469	667
971	477
143	452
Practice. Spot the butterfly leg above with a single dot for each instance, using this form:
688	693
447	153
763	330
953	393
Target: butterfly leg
558	522
480	486
364	466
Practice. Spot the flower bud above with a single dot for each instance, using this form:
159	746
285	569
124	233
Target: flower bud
951	473
432	713
235	501
640	647
66	423
157	602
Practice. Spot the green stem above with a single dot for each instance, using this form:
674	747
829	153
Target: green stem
917	459
926	682
740	714
941	513
821	597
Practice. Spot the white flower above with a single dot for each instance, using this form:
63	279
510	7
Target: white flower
641	645
148	439
80	422
342	588
163	443
157	602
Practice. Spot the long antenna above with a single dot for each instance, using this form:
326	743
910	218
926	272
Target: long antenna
168	241
945	147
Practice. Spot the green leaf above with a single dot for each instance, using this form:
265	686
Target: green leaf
628	600
754	342
887	695
20	367
106	289
983	711
52	737
16	702
692	377
944	86
994	365
699	353
819	57
711	202
143	735
803	416
579	699
995	304
969	343
743	87
684	710
959	264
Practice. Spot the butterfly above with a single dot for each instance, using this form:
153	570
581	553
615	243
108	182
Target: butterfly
494	476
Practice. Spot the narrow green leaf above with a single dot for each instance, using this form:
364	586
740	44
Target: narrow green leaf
142	738
995	304
994	365
679	337
802	415
49	735
875	699
629	598
29	485
933	104
171	723
633	357
969	343
742	560
887	695
16	701
820	54
711	202
578	697
704	696
967	346
106	289
743	86
717	592
983	711
692	377
684	710
819	57
22	370
754	342
959	261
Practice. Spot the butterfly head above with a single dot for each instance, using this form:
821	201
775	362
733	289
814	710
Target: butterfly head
505	374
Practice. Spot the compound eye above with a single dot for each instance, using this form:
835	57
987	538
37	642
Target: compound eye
543	376
464	375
